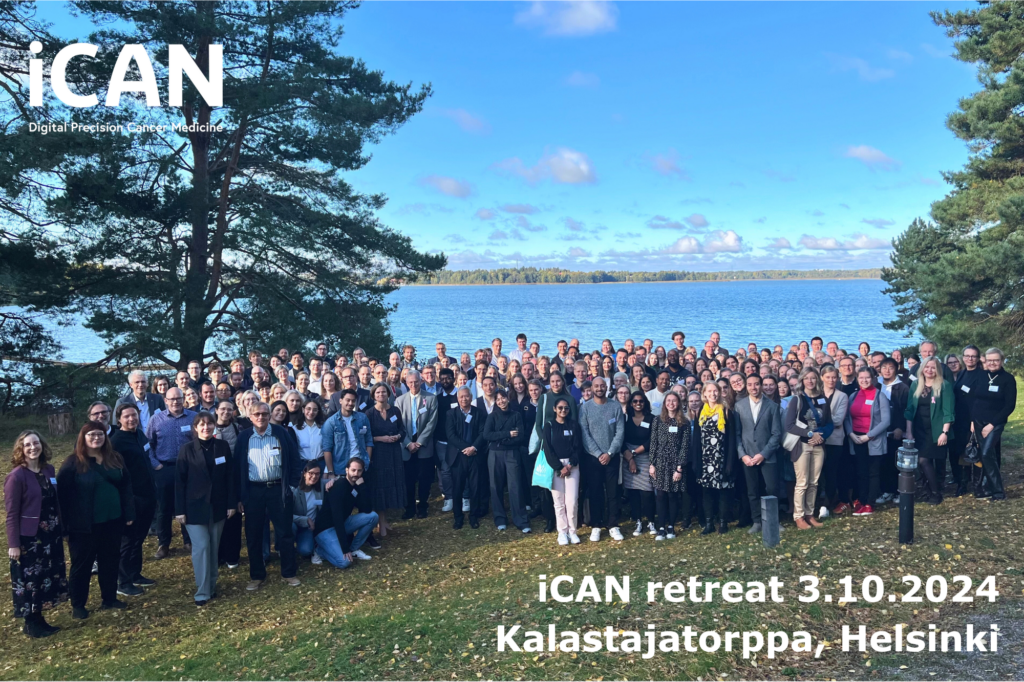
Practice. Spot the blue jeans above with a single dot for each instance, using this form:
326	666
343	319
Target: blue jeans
328	546
303	540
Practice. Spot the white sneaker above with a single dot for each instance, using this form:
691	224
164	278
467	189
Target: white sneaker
465	505
448	506
884	498
563	539
651	530
639	529
529	508
823	513
501	527
316	559
574	539
615	533
360	554
526	530
595	535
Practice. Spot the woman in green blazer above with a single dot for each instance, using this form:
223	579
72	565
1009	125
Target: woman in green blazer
930	413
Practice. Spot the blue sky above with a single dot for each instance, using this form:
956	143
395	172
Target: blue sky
646	136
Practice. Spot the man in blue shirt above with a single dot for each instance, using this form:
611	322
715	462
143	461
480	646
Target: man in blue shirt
167	431
346	434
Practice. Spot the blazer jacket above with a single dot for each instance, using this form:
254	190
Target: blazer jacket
456	443
204	483
24	501
943	409
291	463
76	493
426	421
155	401
880	412
763	436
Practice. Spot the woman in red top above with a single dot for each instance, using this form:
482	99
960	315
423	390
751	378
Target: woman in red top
867	421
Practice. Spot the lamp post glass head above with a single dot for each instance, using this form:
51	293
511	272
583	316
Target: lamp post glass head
906	456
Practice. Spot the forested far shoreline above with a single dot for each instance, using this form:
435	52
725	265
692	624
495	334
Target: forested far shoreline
558	276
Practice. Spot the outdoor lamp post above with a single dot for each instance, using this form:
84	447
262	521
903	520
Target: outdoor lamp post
906	462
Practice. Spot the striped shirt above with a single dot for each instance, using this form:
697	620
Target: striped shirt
264	457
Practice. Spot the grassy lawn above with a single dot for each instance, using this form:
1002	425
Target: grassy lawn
428	605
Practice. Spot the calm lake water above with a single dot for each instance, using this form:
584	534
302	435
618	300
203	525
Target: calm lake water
765	312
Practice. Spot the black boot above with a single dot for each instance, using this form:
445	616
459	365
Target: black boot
36	627
709	528
723	528
992	474
550	527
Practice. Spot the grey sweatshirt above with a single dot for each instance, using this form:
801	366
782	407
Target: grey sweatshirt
603	427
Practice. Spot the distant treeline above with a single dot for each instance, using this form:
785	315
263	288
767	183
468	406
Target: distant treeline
556	276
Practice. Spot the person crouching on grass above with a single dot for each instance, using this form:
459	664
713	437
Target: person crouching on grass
338	532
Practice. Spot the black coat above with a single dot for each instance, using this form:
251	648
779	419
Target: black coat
204	483
453	428
76	492
133	446
338	505
498	427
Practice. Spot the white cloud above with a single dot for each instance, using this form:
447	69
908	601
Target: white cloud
864	70
668	164
498	235
564	165
660	222
448	186
875	159
574	225
455	238
582	18
779	243
581	79
577	252
526	209
424	209
859	241
696	220
467	121
880	223
682	245
485	214
522	222
723	242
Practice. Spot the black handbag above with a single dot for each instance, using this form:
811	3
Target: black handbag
972	453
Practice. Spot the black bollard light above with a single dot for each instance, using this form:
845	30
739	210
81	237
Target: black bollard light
906	462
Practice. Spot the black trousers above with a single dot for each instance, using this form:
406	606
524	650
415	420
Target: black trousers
601	490
762	479
868	474
164	480
743	515
668	507
132	539
230	550
483	491
102	545
465	483
265	502
716	504
991	457
888	474
641	504
828	485
418	471
692	501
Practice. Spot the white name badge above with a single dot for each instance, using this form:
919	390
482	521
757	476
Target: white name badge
394	418
469	418
423	410
145	447
454	405
362	430
869	402
673	429
567	432
656	405
993	389
612	421
547	387
186	428
354	493
219	460
821	401
645	425
318	503
53	481
965	389
362	406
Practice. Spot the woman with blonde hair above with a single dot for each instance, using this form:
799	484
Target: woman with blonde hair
717	433
278	392
809	418
930	412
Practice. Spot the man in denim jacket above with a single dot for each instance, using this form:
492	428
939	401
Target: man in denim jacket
346	434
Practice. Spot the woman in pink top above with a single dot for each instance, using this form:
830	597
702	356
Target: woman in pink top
867	422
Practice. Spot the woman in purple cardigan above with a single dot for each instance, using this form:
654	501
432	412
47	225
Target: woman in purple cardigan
34	540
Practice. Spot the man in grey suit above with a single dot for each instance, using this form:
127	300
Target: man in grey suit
147	403
419	414
760	439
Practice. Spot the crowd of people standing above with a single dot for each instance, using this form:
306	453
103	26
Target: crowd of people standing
316	454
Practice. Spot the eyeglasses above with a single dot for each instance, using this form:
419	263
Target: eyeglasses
638	402
99	414
173	400
561	408
260	415
95	434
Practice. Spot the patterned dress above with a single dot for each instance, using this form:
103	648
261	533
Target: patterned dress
713	449
669	450
38	579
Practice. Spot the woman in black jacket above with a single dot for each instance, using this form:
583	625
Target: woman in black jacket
204	496
503	430
563	445
96	499
133	446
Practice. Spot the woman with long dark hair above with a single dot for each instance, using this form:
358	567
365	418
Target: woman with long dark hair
34	542
667	464
133	446
96	503
636	462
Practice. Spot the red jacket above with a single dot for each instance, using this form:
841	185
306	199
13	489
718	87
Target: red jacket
24	499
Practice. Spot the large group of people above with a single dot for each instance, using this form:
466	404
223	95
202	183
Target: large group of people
316	454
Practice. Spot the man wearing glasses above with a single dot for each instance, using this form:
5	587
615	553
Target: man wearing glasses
995	399
965	396
148	404
167	431
269	467
100	412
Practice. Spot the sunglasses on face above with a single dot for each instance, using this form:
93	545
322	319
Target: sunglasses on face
560	408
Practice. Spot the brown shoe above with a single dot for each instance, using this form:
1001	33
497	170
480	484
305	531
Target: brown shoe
802	524
253	585
161	552
814	522
293	581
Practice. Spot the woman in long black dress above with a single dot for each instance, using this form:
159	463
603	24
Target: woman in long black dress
387	466
34	542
